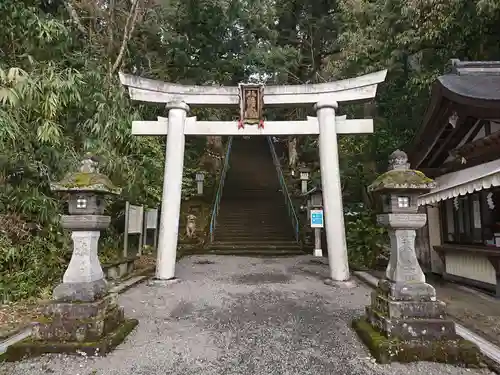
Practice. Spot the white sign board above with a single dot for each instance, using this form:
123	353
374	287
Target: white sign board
135	217
317	219
152	218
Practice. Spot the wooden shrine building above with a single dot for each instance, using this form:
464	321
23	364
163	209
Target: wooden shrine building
459	145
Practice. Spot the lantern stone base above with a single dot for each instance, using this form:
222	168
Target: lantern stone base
405	323
94	328
80	292
386	350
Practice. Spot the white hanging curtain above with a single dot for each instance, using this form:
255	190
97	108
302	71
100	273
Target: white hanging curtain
466	181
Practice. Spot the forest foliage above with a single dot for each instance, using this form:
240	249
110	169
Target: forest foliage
60	96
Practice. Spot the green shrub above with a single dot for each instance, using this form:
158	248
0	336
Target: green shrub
30	269
366	241
111	245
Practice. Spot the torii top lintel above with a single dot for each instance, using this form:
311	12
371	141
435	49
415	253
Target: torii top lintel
348	90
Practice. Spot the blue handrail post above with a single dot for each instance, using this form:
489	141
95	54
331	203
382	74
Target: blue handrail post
218	195
284	189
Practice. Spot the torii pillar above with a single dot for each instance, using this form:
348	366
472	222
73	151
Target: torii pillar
336	242
172	191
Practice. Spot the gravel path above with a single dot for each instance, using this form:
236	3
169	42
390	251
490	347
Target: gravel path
233	315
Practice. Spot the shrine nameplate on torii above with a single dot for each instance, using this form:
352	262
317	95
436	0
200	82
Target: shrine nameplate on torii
251	100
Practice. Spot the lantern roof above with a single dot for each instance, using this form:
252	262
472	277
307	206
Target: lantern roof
400	177
86	179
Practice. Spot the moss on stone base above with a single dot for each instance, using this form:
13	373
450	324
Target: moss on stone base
457	351
31	348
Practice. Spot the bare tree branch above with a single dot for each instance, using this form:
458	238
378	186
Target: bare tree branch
127	32
112	24
74	17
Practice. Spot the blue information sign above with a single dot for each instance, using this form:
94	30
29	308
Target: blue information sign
317	219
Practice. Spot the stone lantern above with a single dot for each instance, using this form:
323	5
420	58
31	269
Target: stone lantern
399	189
83	316
199	178
86	191
405	322
304	172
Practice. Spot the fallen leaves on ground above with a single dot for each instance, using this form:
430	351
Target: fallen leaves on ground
145	261
18	315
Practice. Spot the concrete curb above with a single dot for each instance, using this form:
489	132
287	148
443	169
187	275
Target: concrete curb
26	332
490	350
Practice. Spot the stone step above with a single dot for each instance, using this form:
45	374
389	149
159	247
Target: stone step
252	214
257	178
238	203
257	252
234	232
252	228
269	193
267	232
258	199
230	238
261	184
254	242
268	206
247	199
259	222
275	218
271	219
254	246
256	229
251	173
227	194
265	194
269	190
263	204
246	208
276	236
270	211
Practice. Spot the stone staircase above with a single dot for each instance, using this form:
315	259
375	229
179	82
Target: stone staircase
253	218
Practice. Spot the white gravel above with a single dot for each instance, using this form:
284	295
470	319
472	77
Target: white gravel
239	316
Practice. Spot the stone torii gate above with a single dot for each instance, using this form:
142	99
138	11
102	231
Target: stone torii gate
251	99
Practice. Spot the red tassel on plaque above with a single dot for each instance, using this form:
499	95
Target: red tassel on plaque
261	124
241	125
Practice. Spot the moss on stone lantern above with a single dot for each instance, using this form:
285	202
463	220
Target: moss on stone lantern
400	176
86	189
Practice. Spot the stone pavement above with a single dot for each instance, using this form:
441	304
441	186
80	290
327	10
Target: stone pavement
238	315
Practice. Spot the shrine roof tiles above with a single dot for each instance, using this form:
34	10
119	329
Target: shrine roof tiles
470	91
463	88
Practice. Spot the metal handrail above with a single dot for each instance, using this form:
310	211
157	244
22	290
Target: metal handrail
284	189
218	195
